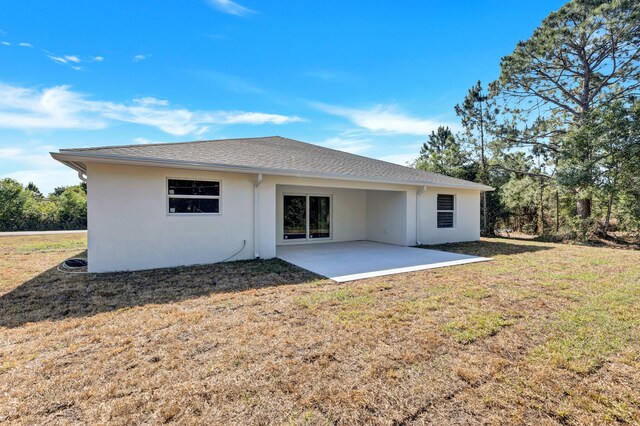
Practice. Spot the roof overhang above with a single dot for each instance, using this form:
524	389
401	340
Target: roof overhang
77	161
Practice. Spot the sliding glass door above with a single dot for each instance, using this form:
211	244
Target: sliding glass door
306	217
319	215
295	217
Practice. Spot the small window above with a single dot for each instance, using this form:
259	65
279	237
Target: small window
193	196
445	211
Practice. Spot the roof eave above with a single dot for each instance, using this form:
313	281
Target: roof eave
77	162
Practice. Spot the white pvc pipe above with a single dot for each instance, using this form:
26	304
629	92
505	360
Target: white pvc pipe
256	217
418	193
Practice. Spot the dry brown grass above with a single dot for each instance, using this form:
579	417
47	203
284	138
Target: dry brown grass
544	334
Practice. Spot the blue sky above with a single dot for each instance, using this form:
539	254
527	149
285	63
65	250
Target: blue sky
373	78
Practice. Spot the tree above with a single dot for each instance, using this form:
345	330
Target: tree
13	203
25	209
583	56
612	133
73	208
34	189
477	115
442	153
58	190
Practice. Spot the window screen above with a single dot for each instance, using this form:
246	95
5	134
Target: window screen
445	211
193	196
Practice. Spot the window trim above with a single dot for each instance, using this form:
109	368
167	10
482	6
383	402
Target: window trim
306	239
453	212
208	197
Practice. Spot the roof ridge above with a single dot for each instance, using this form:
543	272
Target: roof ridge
95	148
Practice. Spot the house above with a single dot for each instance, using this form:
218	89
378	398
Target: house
171	204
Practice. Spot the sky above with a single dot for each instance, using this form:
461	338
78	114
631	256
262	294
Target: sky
372	78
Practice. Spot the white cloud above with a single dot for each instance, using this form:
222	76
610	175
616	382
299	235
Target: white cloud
140	58
151	101
59	107
29	156
52	108
25	44
10	153
5	43
46	179
38	166
143	141
69	60
230	7
58	59
347	144
402	159
72	58
384	119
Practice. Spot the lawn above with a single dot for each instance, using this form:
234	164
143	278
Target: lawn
544	334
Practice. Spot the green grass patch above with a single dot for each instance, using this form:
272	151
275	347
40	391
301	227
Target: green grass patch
601	325
342	297
476	326
59	245
476	293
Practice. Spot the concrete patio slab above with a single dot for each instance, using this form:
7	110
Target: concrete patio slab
356	260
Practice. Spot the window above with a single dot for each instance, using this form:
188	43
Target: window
306	217
445	210
193	196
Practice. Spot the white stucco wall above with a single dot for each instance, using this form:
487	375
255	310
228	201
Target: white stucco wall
387	217
129	227
348	212
466	222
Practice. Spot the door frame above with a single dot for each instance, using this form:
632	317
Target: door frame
307	240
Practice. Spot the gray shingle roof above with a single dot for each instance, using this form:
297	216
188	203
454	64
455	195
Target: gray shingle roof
270	155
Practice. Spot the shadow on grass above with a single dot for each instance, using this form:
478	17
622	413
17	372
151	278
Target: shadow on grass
54	295
489	247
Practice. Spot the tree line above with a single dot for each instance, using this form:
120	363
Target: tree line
558	133
25	208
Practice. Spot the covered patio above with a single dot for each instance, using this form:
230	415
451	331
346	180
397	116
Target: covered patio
354	260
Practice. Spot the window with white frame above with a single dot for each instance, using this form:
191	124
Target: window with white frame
445	210
186	196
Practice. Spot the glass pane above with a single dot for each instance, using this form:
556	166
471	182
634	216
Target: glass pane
445	202
319	217
194	205
193	187
295	217
445	219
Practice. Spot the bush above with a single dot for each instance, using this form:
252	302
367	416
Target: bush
25	209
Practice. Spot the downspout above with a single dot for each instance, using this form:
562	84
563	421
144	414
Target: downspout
256	217
418	193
